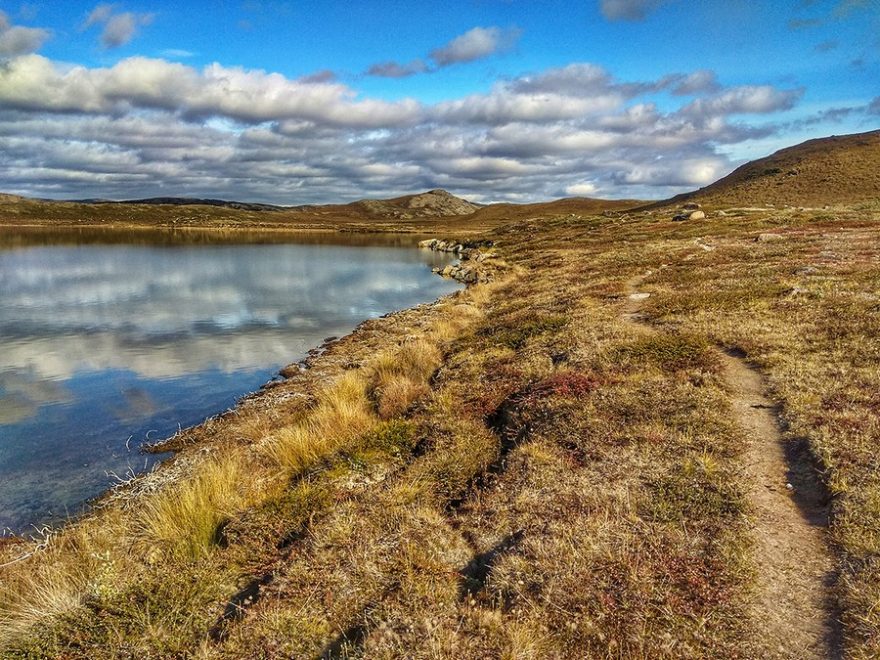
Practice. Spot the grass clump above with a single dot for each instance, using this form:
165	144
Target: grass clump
401	377
341	414
186	521
515	333
669	353
697	490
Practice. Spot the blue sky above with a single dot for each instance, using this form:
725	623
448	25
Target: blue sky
305	101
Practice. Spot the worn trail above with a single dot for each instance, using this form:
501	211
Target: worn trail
793	605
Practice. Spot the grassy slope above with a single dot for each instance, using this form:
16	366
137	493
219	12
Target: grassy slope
837	170
566	484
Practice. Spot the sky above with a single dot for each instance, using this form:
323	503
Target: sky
303	101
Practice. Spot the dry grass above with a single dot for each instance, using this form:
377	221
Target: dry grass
522	474
186	520
342	414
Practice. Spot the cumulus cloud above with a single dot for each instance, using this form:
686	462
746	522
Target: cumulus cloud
118	28
747	99
697	82
628	10
147	127
476	44
251	96
392	69
323	76
17	40
100	14
582	189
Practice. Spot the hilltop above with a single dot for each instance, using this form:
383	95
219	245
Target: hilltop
431	204
834	170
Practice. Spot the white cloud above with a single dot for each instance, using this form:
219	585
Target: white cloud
100	14
34	82
149	127
119	28
476	44
582	189
748	99
697	82
16	40
396	70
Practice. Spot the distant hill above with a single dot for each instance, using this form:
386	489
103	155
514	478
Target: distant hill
187	201
431	204
841	169
493	213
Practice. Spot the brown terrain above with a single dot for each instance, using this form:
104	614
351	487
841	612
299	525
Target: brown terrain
634	438
828	171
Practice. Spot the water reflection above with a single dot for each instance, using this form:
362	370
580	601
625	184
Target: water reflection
103	343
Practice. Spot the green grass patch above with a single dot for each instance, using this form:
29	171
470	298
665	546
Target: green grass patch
669	353
517	333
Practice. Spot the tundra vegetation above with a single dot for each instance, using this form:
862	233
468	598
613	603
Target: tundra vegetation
524	469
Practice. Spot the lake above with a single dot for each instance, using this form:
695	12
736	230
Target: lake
109	340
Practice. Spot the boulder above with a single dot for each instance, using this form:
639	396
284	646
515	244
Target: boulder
689	215
768	238
691	206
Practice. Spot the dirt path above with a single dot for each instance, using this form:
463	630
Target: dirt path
793	604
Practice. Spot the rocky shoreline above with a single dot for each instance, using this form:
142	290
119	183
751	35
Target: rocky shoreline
473	257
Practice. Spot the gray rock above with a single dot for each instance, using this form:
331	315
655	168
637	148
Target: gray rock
689	215
768	238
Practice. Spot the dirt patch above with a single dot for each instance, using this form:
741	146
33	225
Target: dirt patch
793	601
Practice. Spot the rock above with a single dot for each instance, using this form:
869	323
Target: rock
689	215
639	296
768	238
691	206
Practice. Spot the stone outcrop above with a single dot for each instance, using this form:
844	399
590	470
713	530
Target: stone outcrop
689	214
471	269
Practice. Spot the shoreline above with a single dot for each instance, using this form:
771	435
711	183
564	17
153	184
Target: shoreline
323	361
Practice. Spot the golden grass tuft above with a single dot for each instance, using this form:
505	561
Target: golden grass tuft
186	520
51	590
342	413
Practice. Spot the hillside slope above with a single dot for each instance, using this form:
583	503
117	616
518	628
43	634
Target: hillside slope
430	204
841	169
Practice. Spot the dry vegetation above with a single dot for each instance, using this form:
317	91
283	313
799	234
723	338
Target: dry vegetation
828	171
514	472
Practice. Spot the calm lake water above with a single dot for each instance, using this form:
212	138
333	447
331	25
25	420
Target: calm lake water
104	346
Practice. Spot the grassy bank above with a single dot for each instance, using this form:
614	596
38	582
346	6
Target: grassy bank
517	471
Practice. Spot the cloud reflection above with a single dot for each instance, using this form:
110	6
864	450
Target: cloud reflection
163	313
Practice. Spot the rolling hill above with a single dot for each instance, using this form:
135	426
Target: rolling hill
842	169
